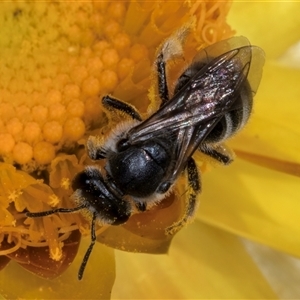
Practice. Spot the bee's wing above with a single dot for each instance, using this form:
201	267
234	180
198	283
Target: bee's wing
207	95
207	55
188	141
202	101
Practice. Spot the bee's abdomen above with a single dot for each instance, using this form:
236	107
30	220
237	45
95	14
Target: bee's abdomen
234	119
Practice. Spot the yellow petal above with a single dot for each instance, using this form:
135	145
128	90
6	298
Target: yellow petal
203	263
280	269
278	97
273	130
254	202
272	25
67	285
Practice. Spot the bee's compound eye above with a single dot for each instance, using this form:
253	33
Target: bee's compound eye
123	144
80	180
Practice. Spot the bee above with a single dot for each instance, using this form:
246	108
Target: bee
211	101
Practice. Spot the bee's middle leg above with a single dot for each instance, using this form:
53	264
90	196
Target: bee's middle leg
192	201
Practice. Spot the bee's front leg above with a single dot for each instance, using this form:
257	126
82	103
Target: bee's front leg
111	104
95	144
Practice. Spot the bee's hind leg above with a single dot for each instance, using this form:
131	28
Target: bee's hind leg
192	201
220	153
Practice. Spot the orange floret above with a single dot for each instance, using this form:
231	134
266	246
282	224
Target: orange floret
91	86
39	113
71	91
121	41
7	111
95	66
78	74
110	58
32	131
116	10
125	66
43	153
138	52
14	126
75	108
22	153
7	143
52	132
108	81
56	111
111	28
74	129
53	97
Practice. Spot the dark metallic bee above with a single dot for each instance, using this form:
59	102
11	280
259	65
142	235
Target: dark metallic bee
212	100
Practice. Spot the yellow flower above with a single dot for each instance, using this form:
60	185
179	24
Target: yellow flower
56	59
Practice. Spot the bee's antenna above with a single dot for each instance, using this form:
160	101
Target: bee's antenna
53	211
90	248
70	210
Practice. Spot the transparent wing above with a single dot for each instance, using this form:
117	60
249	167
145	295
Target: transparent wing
207	95
257	58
